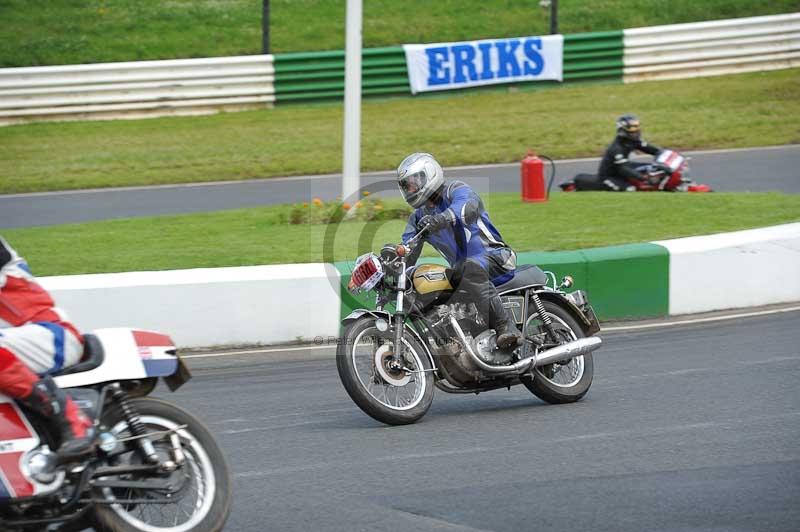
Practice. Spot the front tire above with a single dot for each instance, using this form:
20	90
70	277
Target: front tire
559	383
203	498
394	398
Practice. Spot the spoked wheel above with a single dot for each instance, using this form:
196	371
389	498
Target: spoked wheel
392	396
194	497
561	382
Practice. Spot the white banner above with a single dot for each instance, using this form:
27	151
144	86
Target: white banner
445	66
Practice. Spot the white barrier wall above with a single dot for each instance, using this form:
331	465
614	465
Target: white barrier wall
136	88
734	270
208	306
279	304
712	48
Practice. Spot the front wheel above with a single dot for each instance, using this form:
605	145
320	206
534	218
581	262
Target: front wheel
194	497
565	382
390	396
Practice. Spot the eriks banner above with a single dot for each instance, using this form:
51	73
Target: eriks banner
445	66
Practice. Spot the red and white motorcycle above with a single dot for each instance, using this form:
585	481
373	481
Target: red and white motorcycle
154	468
669	172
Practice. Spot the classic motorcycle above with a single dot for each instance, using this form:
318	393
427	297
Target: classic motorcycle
389	360
154	467
669	172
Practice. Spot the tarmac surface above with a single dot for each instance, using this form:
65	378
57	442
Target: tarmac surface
756	169
693	427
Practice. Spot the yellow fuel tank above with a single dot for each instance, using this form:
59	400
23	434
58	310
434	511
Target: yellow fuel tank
430	278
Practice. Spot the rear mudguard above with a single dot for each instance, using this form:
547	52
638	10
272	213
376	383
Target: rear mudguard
588	322
382	314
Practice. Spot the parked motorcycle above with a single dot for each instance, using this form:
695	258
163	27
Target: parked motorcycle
669	172
390	359
155	467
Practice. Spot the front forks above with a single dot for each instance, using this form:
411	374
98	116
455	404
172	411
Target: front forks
396	363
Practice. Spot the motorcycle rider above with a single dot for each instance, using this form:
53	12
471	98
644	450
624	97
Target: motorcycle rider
36	337
460	229
615	170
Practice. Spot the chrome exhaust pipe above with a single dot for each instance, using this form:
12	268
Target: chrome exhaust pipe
573	349
567	351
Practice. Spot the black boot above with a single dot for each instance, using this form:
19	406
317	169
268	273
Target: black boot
474	280
72	426
508	336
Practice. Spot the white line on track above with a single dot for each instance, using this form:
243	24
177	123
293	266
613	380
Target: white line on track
700	320
366	174
619	328
258	351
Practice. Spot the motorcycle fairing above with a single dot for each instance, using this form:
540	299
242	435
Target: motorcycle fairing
130	354
671	159
17	437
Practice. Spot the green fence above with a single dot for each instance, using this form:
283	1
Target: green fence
320	75
309	76
593	56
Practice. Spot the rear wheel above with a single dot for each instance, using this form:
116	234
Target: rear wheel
194	497
560	383
390	396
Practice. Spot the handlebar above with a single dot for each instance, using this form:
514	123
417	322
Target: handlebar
415	239
391	252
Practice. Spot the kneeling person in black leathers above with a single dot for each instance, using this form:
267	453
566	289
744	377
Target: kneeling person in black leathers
460	229
616	170
616	173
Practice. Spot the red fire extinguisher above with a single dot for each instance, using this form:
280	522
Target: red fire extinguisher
532	173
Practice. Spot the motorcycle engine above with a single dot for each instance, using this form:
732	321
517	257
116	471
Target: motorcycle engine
454	361
458	365
484	345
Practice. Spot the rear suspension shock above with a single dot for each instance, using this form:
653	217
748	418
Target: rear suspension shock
135	424
544	316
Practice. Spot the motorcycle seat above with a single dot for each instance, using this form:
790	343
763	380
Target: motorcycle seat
93	356
525	275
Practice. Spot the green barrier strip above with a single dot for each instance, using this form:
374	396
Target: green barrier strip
630	281
310	76
320	75
593	56
622	281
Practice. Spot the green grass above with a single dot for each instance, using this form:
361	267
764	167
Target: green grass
69	31
261	236
486	127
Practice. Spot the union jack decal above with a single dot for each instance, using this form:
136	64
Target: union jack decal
16	438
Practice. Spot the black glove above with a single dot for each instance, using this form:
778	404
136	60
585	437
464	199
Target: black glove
435	221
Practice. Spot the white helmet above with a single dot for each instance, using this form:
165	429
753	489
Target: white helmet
419	176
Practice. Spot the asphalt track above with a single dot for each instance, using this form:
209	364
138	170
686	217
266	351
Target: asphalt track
686	428
756	169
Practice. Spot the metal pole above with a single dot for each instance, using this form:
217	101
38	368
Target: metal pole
265	27
553	17
352	101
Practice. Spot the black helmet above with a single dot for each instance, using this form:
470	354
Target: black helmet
629	127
